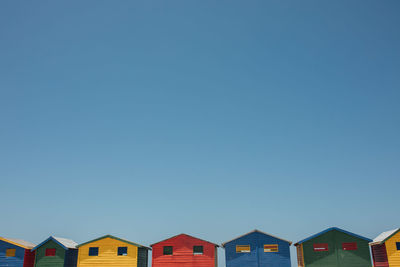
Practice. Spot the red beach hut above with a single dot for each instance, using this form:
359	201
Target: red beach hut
184	251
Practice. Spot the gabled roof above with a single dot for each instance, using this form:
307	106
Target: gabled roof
255	231
380	239
116	238
18	242
332	229
184	235
63	242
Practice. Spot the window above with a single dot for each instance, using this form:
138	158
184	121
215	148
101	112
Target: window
271	248
167	250
349	246
321	247
197	250
398	245
50	252
243	249
10	252
94	251
122	251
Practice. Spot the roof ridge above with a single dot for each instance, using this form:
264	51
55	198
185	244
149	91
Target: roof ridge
331	229
186	235
113	237
253	231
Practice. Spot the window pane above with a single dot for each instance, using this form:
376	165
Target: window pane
271	248
167	250
50	252
349	246
122	251
10	252
242	248
197	249
321	247
94	251
398	245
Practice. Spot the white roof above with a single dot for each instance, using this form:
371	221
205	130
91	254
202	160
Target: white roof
382	237
66	242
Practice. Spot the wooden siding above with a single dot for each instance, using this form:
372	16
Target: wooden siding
143	257
392	253
257	257
29	258
183	253
16	261
379	256
108	254
300	258
57	261
71	258
335	256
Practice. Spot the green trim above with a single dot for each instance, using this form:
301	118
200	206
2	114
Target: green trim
113	237
387	238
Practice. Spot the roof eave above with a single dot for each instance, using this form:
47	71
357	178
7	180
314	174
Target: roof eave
216	245
331	229
255	230
50	238
113	237
15	243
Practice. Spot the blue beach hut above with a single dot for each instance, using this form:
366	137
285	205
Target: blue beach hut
257	249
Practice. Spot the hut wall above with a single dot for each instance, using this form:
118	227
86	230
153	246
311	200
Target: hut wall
143	257
257	257
108	254
379	256
183	253
41	260
29	258
393	253
71	258
335	255
16	261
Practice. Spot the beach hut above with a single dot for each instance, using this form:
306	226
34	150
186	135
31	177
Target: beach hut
386	249
108	250
334	247
184	251
257	249
56	252
16	253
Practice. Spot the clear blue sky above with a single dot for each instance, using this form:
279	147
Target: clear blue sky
145	119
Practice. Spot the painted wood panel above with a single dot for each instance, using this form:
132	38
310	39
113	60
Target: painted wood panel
379	256
183	255
108	254
391	249
42	260
16	261
257	256
335	256
29	258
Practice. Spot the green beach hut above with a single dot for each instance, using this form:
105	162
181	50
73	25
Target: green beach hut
56	252
334	247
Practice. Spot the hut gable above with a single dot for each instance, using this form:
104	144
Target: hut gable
16	253
257	249
334	247
112	251
184	251
56	252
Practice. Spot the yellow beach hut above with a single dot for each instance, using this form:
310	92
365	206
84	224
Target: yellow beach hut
386	249
108	250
